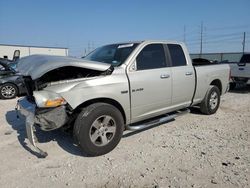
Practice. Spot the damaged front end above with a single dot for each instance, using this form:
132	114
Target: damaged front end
27	109
44	107
46	119
51	119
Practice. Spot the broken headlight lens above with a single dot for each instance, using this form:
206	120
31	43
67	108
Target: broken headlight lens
48	99
55	102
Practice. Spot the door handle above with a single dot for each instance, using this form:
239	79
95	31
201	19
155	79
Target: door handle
189	73
163	76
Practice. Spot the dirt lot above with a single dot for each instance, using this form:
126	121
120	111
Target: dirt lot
193	151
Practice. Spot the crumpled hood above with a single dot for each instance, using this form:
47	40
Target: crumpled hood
37	65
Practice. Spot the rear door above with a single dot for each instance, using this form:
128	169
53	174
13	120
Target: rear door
183	76
150	83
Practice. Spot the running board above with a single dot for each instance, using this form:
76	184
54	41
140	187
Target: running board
158	121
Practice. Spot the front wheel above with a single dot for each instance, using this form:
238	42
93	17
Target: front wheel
98	129
211	102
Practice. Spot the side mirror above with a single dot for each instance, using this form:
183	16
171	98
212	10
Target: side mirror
16	55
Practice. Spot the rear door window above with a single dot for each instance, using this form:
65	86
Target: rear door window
177	55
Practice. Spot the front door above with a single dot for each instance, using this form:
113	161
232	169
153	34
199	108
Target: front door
150	83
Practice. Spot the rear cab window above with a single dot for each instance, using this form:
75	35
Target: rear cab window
177	55
245	58
152	56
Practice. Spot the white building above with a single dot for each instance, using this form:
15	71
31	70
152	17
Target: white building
7	51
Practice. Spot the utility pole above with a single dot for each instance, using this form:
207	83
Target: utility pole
88	46
184	34
201	39
244	42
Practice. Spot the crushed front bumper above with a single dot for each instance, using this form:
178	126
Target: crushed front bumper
27	110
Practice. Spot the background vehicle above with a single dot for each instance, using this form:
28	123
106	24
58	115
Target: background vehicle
11	82
116	87
202	61
12	63
240	72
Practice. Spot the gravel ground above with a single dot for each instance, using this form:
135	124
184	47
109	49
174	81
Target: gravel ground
193	151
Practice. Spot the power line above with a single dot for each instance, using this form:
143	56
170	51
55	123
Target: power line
223	39
229	27
225	35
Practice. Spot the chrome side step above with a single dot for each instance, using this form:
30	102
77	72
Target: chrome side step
158	121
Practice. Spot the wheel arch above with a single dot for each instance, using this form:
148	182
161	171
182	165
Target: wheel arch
104	100
218	84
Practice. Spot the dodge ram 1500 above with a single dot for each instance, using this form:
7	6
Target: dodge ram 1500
117	87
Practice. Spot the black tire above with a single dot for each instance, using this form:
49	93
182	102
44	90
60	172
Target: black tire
210	107
85	129
232	85
8	91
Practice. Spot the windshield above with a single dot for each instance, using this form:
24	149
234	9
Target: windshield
114	54
13	66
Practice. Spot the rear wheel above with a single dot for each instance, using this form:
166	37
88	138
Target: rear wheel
8	91
211	102
98	129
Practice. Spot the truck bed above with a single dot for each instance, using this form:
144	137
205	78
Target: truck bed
205	74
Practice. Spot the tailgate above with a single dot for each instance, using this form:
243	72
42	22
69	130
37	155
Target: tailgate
242	71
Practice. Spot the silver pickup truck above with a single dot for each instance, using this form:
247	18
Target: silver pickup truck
117	87
240	71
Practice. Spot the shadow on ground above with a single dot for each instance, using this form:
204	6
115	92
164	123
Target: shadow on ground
241	88
64	140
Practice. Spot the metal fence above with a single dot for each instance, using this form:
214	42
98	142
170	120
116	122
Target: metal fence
231	57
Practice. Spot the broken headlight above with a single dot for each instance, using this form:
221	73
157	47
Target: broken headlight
45	99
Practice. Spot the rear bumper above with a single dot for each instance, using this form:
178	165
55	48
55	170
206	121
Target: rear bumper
27	110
